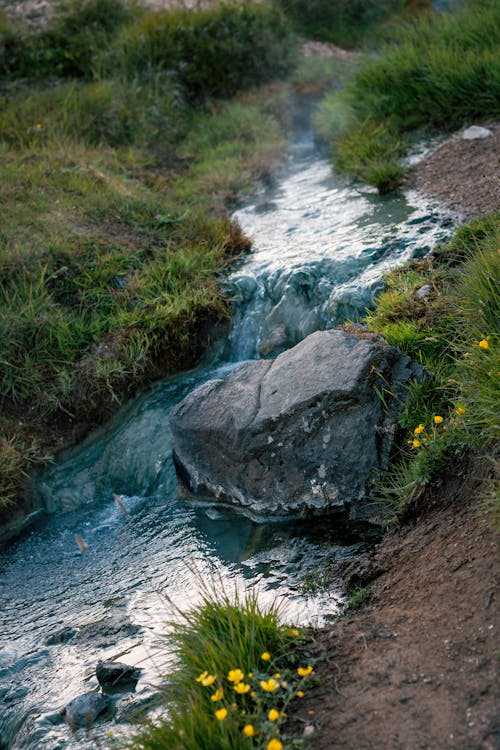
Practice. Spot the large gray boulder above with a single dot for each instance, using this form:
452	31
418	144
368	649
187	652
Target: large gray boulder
305	432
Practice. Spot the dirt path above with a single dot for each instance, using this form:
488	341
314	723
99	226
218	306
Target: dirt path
415	668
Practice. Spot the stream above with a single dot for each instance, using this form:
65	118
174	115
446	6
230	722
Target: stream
97	578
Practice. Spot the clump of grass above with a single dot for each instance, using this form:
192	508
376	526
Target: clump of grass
454	332
439	72
344	22
357	598
237	672
215	51
68	47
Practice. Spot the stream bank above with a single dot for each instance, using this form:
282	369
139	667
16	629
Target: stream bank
416	668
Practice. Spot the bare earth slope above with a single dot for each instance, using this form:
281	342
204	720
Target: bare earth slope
463	174
416	667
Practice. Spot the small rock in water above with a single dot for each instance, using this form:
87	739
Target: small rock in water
475	132
114	673
83	710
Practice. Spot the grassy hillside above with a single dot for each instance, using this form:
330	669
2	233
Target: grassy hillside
453	331
117	169
438	73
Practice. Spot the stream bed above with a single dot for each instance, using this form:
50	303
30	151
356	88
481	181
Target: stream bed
98	578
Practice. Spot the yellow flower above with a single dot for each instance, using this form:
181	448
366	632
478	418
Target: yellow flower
273	714
294	631
202	677
415	443
274	744
311	712
460	410
235	675
266	656
250	674
249	730
208	680
242	688
419	429
269	685
304	671
253	694
300	693
483	344
221	714
277	676
438	419
217	695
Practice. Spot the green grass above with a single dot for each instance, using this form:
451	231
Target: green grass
443	332
216	51
347	23
71	43
359	596
226	633
438	73
213	51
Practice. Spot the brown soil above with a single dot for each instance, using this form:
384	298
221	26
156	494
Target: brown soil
462	175
415	668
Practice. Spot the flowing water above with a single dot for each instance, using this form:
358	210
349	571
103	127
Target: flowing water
320	247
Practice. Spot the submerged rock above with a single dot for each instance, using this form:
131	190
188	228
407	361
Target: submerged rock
83	710
304	432
106	632
64	635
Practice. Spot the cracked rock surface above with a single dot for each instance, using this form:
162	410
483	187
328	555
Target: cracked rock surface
303	432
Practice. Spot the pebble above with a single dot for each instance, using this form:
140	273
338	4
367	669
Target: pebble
309	730
475	132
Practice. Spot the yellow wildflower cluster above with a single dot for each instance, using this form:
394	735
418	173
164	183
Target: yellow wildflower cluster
256	700
419	430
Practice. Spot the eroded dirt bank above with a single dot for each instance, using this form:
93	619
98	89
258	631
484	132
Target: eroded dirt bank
462	174
416	667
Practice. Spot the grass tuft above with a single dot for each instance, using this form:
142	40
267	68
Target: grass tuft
237	671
